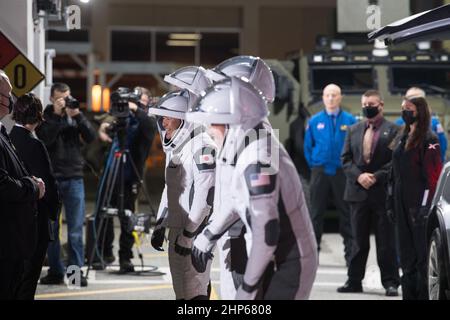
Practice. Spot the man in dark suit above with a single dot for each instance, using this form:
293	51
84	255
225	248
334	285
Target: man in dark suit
366	159
18	195
28	115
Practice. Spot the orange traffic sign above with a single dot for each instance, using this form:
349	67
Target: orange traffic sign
23	74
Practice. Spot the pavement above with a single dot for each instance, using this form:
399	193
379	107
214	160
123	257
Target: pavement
153	281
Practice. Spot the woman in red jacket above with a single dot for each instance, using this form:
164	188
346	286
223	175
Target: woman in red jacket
416	166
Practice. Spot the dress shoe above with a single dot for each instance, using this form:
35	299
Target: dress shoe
83	281
52	279
109	259
350	288
97	265
391	291
126	266
72	281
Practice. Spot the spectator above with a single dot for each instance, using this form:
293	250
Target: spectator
436	126
416	163
366	172
324	139
18	195
28	115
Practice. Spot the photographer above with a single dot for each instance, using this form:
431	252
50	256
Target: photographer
64	132
138	135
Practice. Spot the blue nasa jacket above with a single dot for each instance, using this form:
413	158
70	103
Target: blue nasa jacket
437	128
324	142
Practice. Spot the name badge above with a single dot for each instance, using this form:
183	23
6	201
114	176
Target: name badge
320	126
344	127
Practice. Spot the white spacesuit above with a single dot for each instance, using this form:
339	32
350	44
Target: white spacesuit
197	80
187	198
258	184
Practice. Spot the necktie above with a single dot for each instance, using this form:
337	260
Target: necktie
333	118
367	143
5	135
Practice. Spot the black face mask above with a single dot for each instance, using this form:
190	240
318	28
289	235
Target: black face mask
408	117
370	111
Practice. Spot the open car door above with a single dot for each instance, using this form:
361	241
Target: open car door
428	25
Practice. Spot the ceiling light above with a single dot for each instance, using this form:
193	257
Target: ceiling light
185	36
181	43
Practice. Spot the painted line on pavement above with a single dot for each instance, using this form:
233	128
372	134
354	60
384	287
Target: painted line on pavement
97	292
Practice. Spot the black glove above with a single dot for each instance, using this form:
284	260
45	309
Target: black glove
200	259
158	238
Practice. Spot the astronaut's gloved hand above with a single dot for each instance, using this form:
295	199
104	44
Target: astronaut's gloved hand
183	245
200	259
158	238
201	252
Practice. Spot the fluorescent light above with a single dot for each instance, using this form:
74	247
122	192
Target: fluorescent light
181	43
318	58
337	45
84	1
185	36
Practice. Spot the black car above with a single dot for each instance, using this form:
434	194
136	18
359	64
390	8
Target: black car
438	236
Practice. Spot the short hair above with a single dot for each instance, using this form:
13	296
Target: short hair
420	93
373	93
59	86
27	109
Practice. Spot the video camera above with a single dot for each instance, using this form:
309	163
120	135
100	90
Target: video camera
71	102
120	99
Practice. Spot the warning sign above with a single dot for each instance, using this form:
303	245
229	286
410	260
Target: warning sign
24	76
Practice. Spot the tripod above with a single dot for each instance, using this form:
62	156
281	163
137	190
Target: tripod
112	184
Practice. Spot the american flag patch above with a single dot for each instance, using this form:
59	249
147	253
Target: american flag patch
259	180
206	159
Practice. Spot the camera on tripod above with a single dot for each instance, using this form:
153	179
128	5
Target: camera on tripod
71	102
120	99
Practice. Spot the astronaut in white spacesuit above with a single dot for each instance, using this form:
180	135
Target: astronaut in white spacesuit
259	185
196	80
187	198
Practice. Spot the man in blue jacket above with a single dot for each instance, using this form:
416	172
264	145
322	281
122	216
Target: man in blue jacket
324	140
436	126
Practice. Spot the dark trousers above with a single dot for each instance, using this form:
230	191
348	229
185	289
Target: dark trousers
364	215
33	267
11	272
413	253
106	236
321	187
